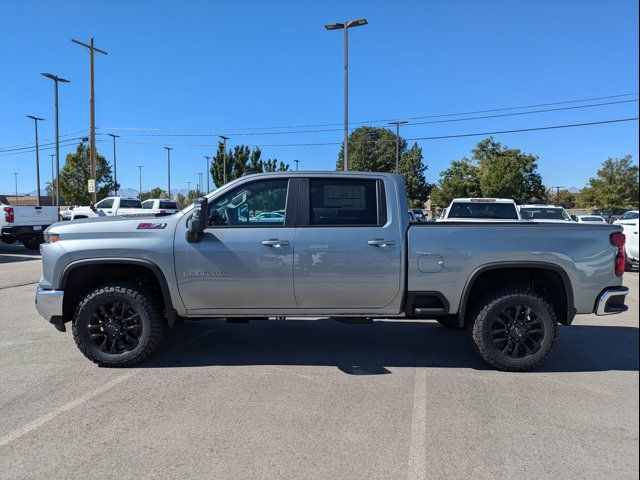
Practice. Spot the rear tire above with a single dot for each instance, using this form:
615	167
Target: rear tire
118	325
32	243
514	329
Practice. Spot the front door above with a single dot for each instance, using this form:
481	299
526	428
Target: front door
245	258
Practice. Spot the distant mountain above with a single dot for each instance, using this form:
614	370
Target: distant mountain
574	189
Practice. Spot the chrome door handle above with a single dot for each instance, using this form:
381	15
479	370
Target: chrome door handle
274	242
378	242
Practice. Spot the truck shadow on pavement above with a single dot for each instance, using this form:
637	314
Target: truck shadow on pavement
370	349
17	253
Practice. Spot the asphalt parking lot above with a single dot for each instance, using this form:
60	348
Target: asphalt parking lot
312	399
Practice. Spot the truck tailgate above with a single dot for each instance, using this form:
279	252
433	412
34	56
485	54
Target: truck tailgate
34	215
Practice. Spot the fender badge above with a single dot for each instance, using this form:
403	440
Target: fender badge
151	226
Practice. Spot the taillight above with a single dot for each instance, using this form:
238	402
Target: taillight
8	215
618	239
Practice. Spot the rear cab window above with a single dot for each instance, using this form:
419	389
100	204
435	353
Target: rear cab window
479	210
130	203
167	205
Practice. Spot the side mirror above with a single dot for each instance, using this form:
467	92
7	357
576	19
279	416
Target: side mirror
93	207
198	222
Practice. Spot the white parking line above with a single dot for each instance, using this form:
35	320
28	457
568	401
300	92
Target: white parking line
418	441
38	422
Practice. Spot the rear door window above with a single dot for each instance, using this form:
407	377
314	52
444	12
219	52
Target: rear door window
343	202
130	203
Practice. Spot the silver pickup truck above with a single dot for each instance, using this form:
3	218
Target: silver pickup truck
325	244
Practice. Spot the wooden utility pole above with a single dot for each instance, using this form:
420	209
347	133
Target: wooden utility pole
92	112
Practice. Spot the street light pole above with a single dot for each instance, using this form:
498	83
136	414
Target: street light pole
35	120
140	180
168	149
115	167
92	110
346	26
56	80
199	182
397	123
297	164
208	173
224	158
53	188
15	178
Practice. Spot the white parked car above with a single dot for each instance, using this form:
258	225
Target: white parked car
591	219
68	213
544	213
629	222
112	206
482	210
26	223
164	206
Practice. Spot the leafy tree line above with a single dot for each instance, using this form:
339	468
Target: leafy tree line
239	160
494	170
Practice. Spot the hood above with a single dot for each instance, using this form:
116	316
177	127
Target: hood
109	227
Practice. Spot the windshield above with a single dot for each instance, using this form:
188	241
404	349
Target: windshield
544	213
130	203
498	211
629	216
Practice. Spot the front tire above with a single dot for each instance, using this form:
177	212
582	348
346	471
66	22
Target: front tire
514	329
118	325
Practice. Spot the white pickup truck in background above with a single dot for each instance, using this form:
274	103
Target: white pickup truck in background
26	223
112	206
163	206
481	210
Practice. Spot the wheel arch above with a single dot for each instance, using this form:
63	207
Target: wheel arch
567	309
139	265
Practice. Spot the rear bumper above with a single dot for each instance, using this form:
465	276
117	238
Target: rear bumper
49	305
22	231
611	301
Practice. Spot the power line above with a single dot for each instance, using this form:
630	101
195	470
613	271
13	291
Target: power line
439	137
72	144
473	112
450	120
30	144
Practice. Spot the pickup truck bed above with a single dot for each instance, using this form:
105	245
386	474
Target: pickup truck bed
341	245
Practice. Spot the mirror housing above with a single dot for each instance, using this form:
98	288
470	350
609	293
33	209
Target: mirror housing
198	222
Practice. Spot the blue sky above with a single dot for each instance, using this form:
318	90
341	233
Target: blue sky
203	66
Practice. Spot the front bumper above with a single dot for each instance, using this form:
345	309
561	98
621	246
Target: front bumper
49	306
611	301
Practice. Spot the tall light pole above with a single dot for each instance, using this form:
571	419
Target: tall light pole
208	173
346	26
36	120
224	158
188	188
397	123
140	180
297	164
168	149
56	80
199	182
115	167
92	110
15	179
53	187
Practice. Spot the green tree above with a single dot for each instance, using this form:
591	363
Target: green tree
181	200
238	161
562	197
507	172
373	149
460	180
74	177
156	192
615	187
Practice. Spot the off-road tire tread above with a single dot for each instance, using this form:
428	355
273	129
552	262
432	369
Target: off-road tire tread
486	304
148	303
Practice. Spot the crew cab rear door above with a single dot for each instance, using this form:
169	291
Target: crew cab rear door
348	252
244	261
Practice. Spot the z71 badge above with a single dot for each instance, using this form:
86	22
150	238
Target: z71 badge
151	226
